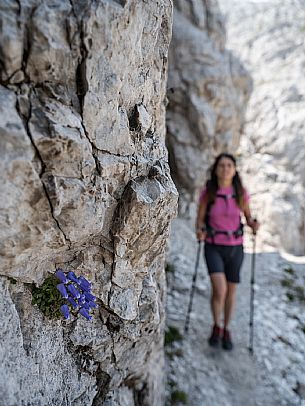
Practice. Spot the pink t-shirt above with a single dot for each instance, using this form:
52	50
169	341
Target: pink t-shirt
224	215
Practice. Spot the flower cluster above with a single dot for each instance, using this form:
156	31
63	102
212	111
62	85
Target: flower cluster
77	291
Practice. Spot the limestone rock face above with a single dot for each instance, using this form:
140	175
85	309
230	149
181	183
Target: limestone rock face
85	186
269	39
207	90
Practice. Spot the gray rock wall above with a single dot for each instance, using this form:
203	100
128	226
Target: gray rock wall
269	39
207	89
85	186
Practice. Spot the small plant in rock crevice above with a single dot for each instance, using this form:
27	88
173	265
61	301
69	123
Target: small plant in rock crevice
289	270
178	396
47	297
172	334
295	290
71	296
175	395
287	283
290	296
169	268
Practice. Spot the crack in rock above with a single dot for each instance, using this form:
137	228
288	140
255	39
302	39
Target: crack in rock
25	121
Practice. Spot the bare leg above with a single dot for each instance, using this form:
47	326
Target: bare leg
219	292
229	302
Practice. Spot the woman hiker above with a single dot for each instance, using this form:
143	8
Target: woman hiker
219	225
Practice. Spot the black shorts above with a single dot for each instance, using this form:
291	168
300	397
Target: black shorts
224	258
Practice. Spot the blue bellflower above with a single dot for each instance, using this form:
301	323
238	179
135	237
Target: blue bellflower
71	275
73	302
85	313
77	291
62	290
74	292
84	281
65	311
61	276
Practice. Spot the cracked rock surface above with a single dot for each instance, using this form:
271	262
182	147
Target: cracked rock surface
85	186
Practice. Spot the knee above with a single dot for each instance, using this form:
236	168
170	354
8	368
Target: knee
231	293
231	297
220	294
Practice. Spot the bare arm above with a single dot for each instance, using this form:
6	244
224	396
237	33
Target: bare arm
200	225
251	222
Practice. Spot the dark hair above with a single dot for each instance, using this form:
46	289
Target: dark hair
212	183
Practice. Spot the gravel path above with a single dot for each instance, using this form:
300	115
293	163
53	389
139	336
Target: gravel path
275	375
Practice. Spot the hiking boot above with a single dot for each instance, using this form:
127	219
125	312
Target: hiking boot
226	340
214	339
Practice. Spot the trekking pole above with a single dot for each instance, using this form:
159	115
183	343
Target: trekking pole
187	320
251	323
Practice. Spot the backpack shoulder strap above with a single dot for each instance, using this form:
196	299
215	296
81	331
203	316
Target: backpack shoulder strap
230	196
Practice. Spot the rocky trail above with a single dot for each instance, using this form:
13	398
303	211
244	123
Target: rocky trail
202	376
